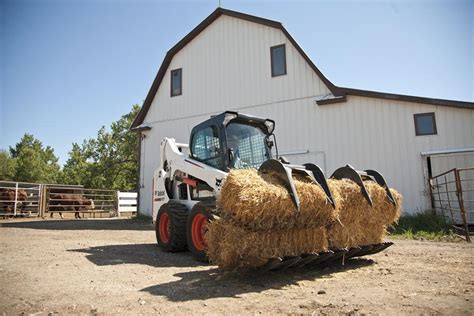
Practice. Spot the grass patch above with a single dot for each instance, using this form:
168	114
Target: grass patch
143	218
423	226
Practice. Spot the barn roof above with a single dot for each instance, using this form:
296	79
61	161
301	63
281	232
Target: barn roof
339	93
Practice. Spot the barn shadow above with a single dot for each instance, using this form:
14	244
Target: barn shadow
213	283
82	224
143	254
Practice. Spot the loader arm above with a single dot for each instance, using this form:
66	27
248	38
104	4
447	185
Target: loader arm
175	160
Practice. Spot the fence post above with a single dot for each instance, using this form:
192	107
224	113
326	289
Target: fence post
16	199
118	204
461	203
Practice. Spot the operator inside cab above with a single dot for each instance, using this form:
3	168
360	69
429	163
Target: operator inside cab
246	146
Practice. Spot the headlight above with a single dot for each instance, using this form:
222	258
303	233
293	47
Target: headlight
229	117
270	126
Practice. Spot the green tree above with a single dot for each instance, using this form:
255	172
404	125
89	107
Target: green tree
109	161
76	170
7	165
33	162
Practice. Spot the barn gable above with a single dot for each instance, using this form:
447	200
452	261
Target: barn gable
248	31
249	34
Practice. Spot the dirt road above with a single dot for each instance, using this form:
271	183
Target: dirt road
113	266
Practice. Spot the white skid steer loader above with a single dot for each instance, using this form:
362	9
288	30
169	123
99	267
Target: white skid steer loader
189	178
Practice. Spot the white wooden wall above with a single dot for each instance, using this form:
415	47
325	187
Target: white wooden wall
227	67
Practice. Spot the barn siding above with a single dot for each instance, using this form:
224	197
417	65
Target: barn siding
227	67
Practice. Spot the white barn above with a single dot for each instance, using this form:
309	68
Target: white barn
234	61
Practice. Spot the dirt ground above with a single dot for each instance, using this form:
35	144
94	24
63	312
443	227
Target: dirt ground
105	266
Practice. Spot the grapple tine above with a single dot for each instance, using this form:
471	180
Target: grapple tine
378	248
310	174
321	180
287	263
353	252
339	253
284	173
381	181
365	250
270	265
348	172
306	259
323	256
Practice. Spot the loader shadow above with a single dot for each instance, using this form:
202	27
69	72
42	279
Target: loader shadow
142	254
213	283
82	224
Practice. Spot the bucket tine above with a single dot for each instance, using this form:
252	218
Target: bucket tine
348	172
321	180
284	174
381	181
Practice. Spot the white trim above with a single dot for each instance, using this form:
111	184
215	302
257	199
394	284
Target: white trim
447	151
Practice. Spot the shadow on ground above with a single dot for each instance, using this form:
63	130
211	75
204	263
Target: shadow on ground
82	224
205	284
146	254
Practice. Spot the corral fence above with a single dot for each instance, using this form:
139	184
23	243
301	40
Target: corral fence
452	195
79	200
20	198
33	199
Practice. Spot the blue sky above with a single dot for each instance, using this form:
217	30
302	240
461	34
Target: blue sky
67	67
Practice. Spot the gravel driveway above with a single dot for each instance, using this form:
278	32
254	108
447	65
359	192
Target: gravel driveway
105	266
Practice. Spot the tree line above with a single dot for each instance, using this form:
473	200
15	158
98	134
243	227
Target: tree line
108	161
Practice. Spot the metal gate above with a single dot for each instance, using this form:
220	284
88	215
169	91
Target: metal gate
79	200
20	198
452	195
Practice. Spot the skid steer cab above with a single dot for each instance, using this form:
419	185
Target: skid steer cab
189	177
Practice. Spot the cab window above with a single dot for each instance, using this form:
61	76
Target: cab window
206	147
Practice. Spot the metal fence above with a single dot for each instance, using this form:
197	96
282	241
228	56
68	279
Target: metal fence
20	198
79	200
33	199
452	195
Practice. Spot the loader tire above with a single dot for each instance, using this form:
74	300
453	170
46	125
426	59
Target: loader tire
199	216
170	227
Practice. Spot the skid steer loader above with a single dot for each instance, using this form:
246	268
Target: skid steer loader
190	177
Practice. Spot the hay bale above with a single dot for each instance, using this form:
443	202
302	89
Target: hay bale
359	224
233	247
260	202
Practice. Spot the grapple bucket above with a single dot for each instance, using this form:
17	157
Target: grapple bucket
322	259
348	172
285	173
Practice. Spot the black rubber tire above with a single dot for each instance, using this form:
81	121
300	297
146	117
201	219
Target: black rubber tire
207	209
178	214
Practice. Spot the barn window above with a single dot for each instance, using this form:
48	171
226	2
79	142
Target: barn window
425	124
278	58
176	82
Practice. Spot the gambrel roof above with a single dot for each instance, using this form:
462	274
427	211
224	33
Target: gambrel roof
339	93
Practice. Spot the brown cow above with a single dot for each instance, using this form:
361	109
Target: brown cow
61	202
7	200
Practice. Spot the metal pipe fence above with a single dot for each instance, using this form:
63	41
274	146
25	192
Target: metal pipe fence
452	195
20	198
79	200
33	199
